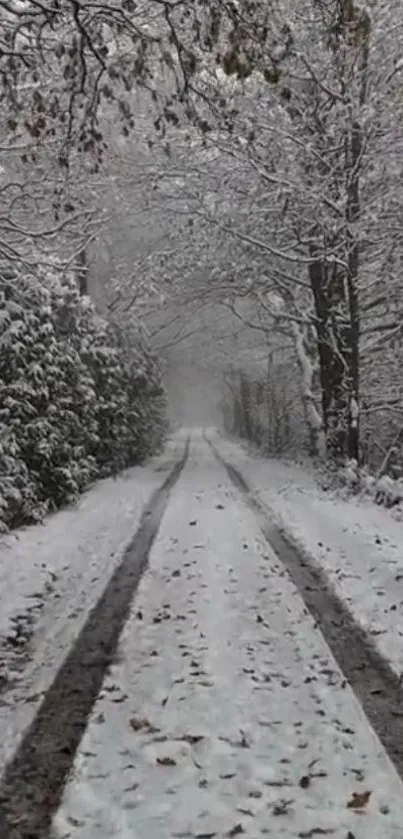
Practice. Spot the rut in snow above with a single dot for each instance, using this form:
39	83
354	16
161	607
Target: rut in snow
33	781
376	686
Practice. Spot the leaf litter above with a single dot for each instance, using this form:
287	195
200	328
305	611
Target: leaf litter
212	761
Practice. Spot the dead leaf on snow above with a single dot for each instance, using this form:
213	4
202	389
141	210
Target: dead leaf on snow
236	830
192	523
282	808
139	724
283	783
359	800
244	743
305	782
166	761
191	738
131	788
75	822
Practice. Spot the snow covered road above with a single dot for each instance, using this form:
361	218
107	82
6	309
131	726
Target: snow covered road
225	713
358	545
62	567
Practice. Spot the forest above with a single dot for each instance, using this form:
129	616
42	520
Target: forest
216	184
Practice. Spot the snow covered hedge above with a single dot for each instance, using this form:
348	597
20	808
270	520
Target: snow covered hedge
76	401
355	479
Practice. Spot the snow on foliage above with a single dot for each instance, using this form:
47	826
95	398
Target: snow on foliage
76	403
356	479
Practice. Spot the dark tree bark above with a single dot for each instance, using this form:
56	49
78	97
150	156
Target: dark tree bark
335	285
82	272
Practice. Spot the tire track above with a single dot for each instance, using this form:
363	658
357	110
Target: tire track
377	688
33	781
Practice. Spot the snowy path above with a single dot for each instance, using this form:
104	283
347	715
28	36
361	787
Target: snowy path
225	713
359	545
51	575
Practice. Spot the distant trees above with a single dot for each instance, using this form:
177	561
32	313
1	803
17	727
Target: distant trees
302	98
277	125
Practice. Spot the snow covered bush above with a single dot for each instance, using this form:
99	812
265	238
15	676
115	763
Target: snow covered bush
388	491
353	478
75	404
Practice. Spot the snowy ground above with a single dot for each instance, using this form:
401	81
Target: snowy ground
358	544
225	713
50	577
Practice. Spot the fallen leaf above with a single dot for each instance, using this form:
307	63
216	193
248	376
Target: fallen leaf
236	830
282	808
359	800
138	724
166	761
75	822
219	506
243	741
192	523
283	783
192	738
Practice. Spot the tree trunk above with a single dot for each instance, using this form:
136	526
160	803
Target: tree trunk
244	393
313	420
337	326
335	284
82	272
